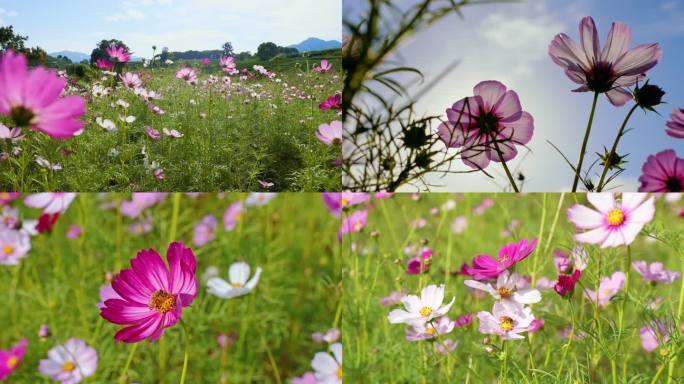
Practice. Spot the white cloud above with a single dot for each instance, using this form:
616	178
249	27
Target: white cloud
127	15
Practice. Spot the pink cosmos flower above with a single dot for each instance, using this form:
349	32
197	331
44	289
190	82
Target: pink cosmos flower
481	208
6	197
654	335
675	126
232	216
324	67
655	272
536	325
32	99
327	367
228	65
51	202
14	245
307	378
159	173
188	75
11	359
613	223
392	299
509	287
662	172
205	61
566	283
428	331
464	320
13	134
608	288
131	80
44	331
152	133
330	134
487	267
69	363
152	295
330	336
104	64
141	227
74	232
332	102
490	119
420	263
609	71
172	133
507	320
118	54
141	201
106	293
204	231
445	346
353	223
337	201
266	184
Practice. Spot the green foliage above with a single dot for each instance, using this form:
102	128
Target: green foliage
11	40
268	50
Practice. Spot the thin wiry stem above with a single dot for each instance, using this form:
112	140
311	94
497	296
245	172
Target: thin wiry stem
578	169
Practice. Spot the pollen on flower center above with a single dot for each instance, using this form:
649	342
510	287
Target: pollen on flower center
4	195
237	285
162	301
487	122
21	116
504	292
431	331
616	217
68	366
7	249
505	323
425	311
339	373
12	362
344	202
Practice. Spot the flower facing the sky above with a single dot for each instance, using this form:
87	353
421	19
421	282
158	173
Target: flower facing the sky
327	367
69	363
330	134
420	310
486	123
239	282
507	320
118	54
508	287
609	70
11	359
612	223
487	267
675	126
32	98
655	272
104	64
608	288
151	295
662	172
187	74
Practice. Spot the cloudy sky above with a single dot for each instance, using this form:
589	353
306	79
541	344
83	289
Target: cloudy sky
509	43
77	25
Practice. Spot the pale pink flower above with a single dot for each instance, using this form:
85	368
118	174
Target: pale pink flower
507	320
187	74
172	133
612	223
508	287
675	126
445	346
130	80
152	133
74	232
608	288
459	224
330	134
232	216
70	363
653	335
51	202
430	330
327	367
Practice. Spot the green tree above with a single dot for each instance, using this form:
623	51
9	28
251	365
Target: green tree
11	40
100	52
228	49
267	51
36	56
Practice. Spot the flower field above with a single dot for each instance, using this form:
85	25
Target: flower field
156	288
534	288
185	126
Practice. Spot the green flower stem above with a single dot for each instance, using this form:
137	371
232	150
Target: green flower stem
600	185
680	307
186	353
505	167
578	170
123	378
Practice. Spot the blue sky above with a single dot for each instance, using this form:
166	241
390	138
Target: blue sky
509	43
78	25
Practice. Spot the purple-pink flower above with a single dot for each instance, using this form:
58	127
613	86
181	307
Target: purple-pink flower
104	64
151	295
187	74
612	223
330	134
204	231
337	201
489	122
653	335
51	202
675	126
33	99
608	288
232	216
609	71
655	272
11	359
662	172
353	223
332	102
487	267
74	232
118	54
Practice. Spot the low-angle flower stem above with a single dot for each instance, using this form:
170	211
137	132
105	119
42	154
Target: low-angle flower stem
607	164
186	353
123	378
578	169
505	167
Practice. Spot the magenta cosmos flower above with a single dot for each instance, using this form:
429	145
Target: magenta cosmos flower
332	102
662	172
11	359
104	64
337	201
70	363
486	267
152	296
330	134
612	223
32	99
355	222
118	54
490	119
675	126
608	71
206	61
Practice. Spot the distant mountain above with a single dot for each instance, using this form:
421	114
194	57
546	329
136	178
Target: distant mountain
75	57
315	44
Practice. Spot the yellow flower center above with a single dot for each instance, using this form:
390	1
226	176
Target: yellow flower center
12	362
68	366
425	311
505	323
616	217
431	331
504	292
162	301
357	226
7	249
237	285
339	373
4	195
344	202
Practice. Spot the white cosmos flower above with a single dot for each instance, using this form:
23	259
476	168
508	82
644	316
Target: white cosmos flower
238	274
420	310
106	124
127	119
507	320
509	288
46	164
328	368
